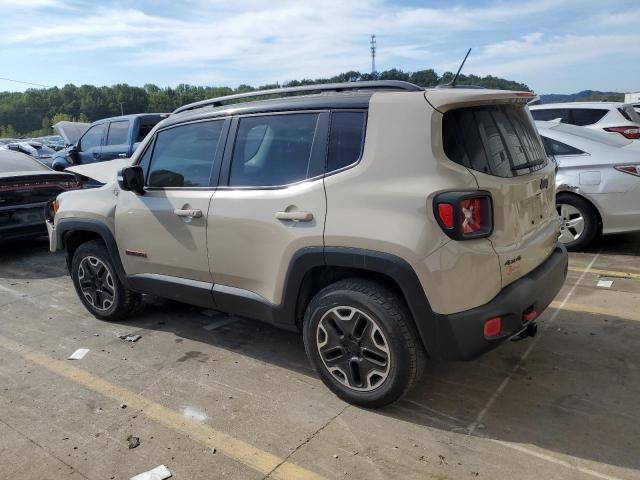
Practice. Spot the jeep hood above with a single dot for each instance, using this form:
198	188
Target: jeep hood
102	172
70	131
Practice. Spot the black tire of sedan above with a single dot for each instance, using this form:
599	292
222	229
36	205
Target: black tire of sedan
97	284
361	341
579	221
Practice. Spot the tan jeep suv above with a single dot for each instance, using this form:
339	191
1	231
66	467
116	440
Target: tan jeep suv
386	222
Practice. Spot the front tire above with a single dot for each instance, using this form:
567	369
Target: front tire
579	221
98	286
361	341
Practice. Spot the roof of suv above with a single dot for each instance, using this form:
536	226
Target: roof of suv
321	96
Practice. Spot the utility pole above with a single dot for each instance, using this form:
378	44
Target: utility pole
373	54
121	108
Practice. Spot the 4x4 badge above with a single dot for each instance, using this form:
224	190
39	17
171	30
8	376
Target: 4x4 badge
544	183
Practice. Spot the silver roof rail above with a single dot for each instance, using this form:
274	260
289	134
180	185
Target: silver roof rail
321	87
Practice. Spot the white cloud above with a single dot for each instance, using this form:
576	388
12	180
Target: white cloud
236	41
536	52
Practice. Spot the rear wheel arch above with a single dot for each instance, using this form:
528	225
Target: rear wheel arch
592	220
582	197
311	271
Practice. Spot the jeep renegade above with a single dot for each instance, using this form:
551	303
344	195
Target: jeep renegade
386	222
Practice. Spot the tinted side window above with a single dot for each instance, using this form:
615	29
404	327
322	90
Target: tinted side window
146	159
273	150
498	140
629	113
92	137
118	133
183	156
586	116
551	114
554	147
345	139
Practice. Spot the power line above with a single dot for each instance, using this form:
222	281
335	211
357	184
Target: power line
26	83
373	54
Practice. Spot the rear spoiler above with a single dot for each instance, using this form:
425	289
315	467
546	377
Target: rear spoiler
443	99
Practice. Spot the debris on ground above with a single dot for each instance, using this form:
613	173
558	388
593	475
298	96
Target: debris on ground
130	337
133	441
335	456
123	405
443	460
79	354
159	473
604	283
213	450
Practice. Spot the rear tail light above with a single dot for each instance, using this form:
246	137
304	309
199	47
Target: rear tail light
632	133
492	327
55	206
630	169
464	215
445	214
472	215
72	184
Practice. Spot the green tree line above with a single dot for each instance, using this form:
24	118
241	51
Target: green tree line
31	113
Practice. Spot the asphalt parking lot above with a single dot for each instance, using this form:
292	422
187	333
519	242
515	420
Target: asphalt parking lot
211	396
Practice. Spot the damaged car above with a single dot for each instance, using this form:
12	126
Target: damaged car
106	139
26	186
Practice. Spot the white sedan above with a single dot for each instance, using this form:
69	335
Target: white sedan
598	181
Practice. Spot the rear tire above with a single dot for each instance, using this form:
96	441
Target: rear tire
360	339
579	221
98	286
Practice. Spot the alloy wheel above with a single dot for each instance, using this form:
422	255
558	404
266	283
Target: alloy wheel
571	223
96	283
353	348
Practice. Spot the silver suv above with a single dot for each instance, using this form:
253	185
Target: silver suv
386	222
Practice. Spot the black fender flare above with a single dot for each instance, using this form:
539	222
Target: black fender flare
391	266
69	225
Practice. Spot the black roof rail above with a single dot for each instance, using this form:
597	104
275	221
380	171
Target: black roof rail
321	87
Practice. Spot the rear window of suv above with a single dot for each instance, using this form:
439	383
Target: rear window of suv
498	140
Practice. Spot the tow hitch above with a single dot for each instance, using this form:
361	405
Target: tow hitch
530	331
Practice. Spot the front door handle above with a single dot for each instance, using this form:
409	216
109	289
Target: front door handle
190	212
122	155
296	216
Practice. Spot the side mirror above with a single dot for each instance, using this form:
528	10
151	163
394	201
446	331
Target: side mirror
131	179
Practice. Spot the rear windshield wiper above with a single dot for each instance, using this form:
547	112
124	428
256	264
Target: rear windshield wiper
528	165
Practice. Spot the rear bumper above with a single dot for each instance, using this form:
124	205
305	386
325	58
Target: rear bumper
22	231
461	335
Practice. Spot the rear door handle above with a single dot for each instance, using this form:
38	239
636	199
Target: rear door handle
192	213
296	216
122	155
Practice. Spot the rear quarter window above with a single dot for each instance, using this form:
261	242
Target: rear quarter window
586	116
345	139
498	140
629	113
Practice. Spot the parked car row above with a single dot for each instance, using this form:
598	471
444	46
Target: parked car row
595	151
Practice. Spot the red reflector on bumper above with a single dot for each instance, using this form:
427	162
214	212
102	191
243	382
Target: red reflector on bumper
492	327
529	315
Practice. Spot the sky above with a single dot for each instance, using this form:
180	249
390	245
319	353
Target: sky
553	46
